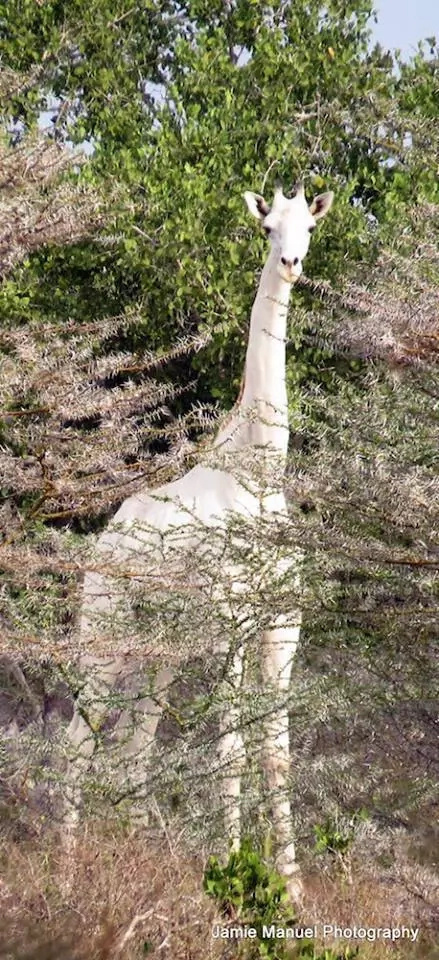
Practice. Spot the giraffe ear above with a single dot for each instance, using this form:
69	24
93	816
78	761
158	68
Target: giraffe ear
321	204
256	204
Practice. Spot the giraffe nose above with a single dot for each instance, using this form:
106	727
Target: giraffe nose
289	263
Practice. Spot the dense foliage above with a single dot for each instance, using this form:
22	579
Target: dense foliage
125	298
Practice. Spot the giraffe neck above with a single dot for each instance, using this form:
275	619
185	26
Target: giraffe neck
260	416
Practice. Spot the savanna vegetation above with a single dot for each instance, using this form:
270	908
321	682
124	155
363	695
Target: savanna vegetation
128	268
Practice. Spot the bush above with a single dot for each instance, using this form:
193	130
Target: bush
250	892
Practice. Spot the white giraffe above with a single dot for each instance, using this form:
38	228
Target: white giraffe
213	494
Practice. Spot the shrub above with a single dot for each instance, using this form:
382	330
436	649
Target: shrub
252	893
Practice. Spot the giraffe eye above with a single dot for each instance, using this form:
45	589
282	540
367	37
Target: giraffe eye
267	231
312	228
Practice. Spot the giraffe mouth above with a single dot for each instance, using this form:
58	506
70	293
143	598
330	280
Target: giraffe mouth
288	275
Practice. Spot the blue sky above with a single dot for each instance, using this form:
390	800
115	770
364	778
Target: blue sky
401	23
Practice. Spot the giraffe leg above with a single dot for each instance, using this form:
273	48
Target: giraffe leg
278	650
89	713
136	731
102	599
231	748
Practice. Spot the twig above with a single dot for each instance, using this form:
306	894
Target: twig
272	164
129	932
164	828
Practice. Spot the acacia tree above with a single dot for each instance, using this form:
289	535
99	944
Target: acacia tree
249	93
246	90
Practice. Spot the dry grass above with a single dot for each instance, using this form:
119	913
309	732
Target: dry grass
129	896
124	896
375	901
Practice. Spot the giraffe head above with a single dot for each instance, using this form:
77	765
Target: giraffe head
289	223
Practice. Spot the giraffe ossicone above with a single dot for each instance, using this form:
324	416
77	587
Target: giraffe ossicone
198	511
